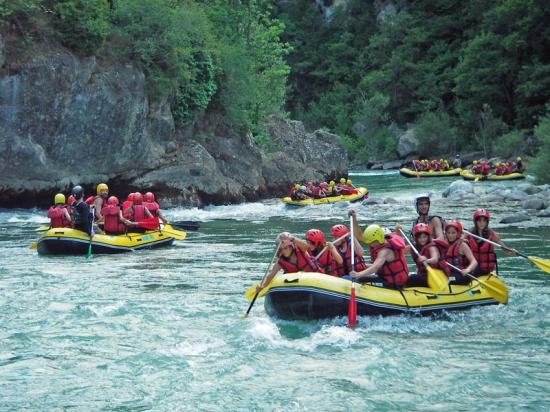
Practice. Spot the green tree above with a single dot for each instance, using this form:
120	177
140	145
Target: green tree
81	25
253	71
541	163
171	42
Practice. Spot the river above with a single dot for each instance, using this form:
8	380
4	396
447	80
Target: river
162	330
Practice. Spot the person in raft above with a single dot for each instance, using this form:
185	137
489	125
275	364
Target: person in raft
432	251
82	215
436	223
343	246
291	259
111	218
484	252
459	254
58	213
325	253
153	207
388	263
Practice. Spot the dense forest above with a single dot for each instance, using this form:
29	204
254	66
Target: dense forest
465	75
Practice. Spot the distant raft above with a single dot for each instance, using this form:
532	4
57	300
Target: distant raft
405	171
311	296
68	241
467	174
362	193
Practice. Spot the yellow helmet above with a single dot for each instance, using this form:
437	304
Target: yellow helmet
100	187
332	183
343	180
348	182
59	199
373	233
474	162
297	186
518	159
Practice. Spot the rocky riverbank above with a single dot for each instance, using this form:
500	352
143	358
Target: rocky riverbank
66	121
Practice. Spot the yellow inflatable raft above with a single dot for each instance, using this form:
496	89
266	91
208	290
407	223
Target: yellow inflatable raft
405	171
307	295
362	193
67	241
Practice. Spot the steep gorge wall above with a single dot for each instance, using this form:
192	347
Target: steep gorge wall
66	120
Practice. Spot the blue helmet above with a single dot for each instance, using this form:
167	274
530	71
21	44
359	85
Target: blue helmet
77	192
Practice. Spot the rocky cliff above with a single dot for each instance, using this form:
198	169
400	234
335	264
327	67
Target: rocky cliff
66	120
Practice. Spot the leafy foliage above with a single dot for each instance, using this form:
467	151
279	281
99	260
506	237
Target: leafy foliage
541	164
81	25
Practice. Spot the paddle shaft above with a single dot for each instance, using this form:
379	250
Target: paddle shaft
263	279
352	308
499	293
492	243
333	242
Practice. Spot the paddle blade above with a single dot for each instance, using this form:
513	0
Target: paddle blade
42	229
176	234
251	292
33	245
352	308
89	255
497	289
542	264
437	279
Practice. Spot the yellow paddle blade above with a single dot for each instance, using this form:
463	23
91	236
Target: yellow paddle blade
437	279
498	290
251	291
42	229
542	264
33	245
176	234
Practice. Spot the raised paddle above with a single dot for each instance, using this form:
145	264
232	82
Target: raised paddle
498	292
542	264
437	279
263	279
352	307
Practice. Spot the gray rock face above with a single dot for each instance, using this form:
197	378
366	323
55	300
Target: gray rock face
67	121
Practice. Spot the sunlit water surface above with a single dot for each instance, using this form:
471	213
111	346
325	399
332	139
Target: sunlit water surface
163	330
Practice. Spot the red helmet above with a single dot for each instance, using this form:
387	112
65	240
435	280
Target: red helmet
421	228
149	197
315	236
113	200
339	230
482	213
456	224
138	198
130	197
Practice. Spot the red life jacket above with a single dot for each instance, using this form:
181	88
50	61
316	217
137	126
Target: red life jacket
326	262
139	213
304	262
442	247
126	211
57	217
395	272
346	266
454	257
484	252
112	224
153	207
90	200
